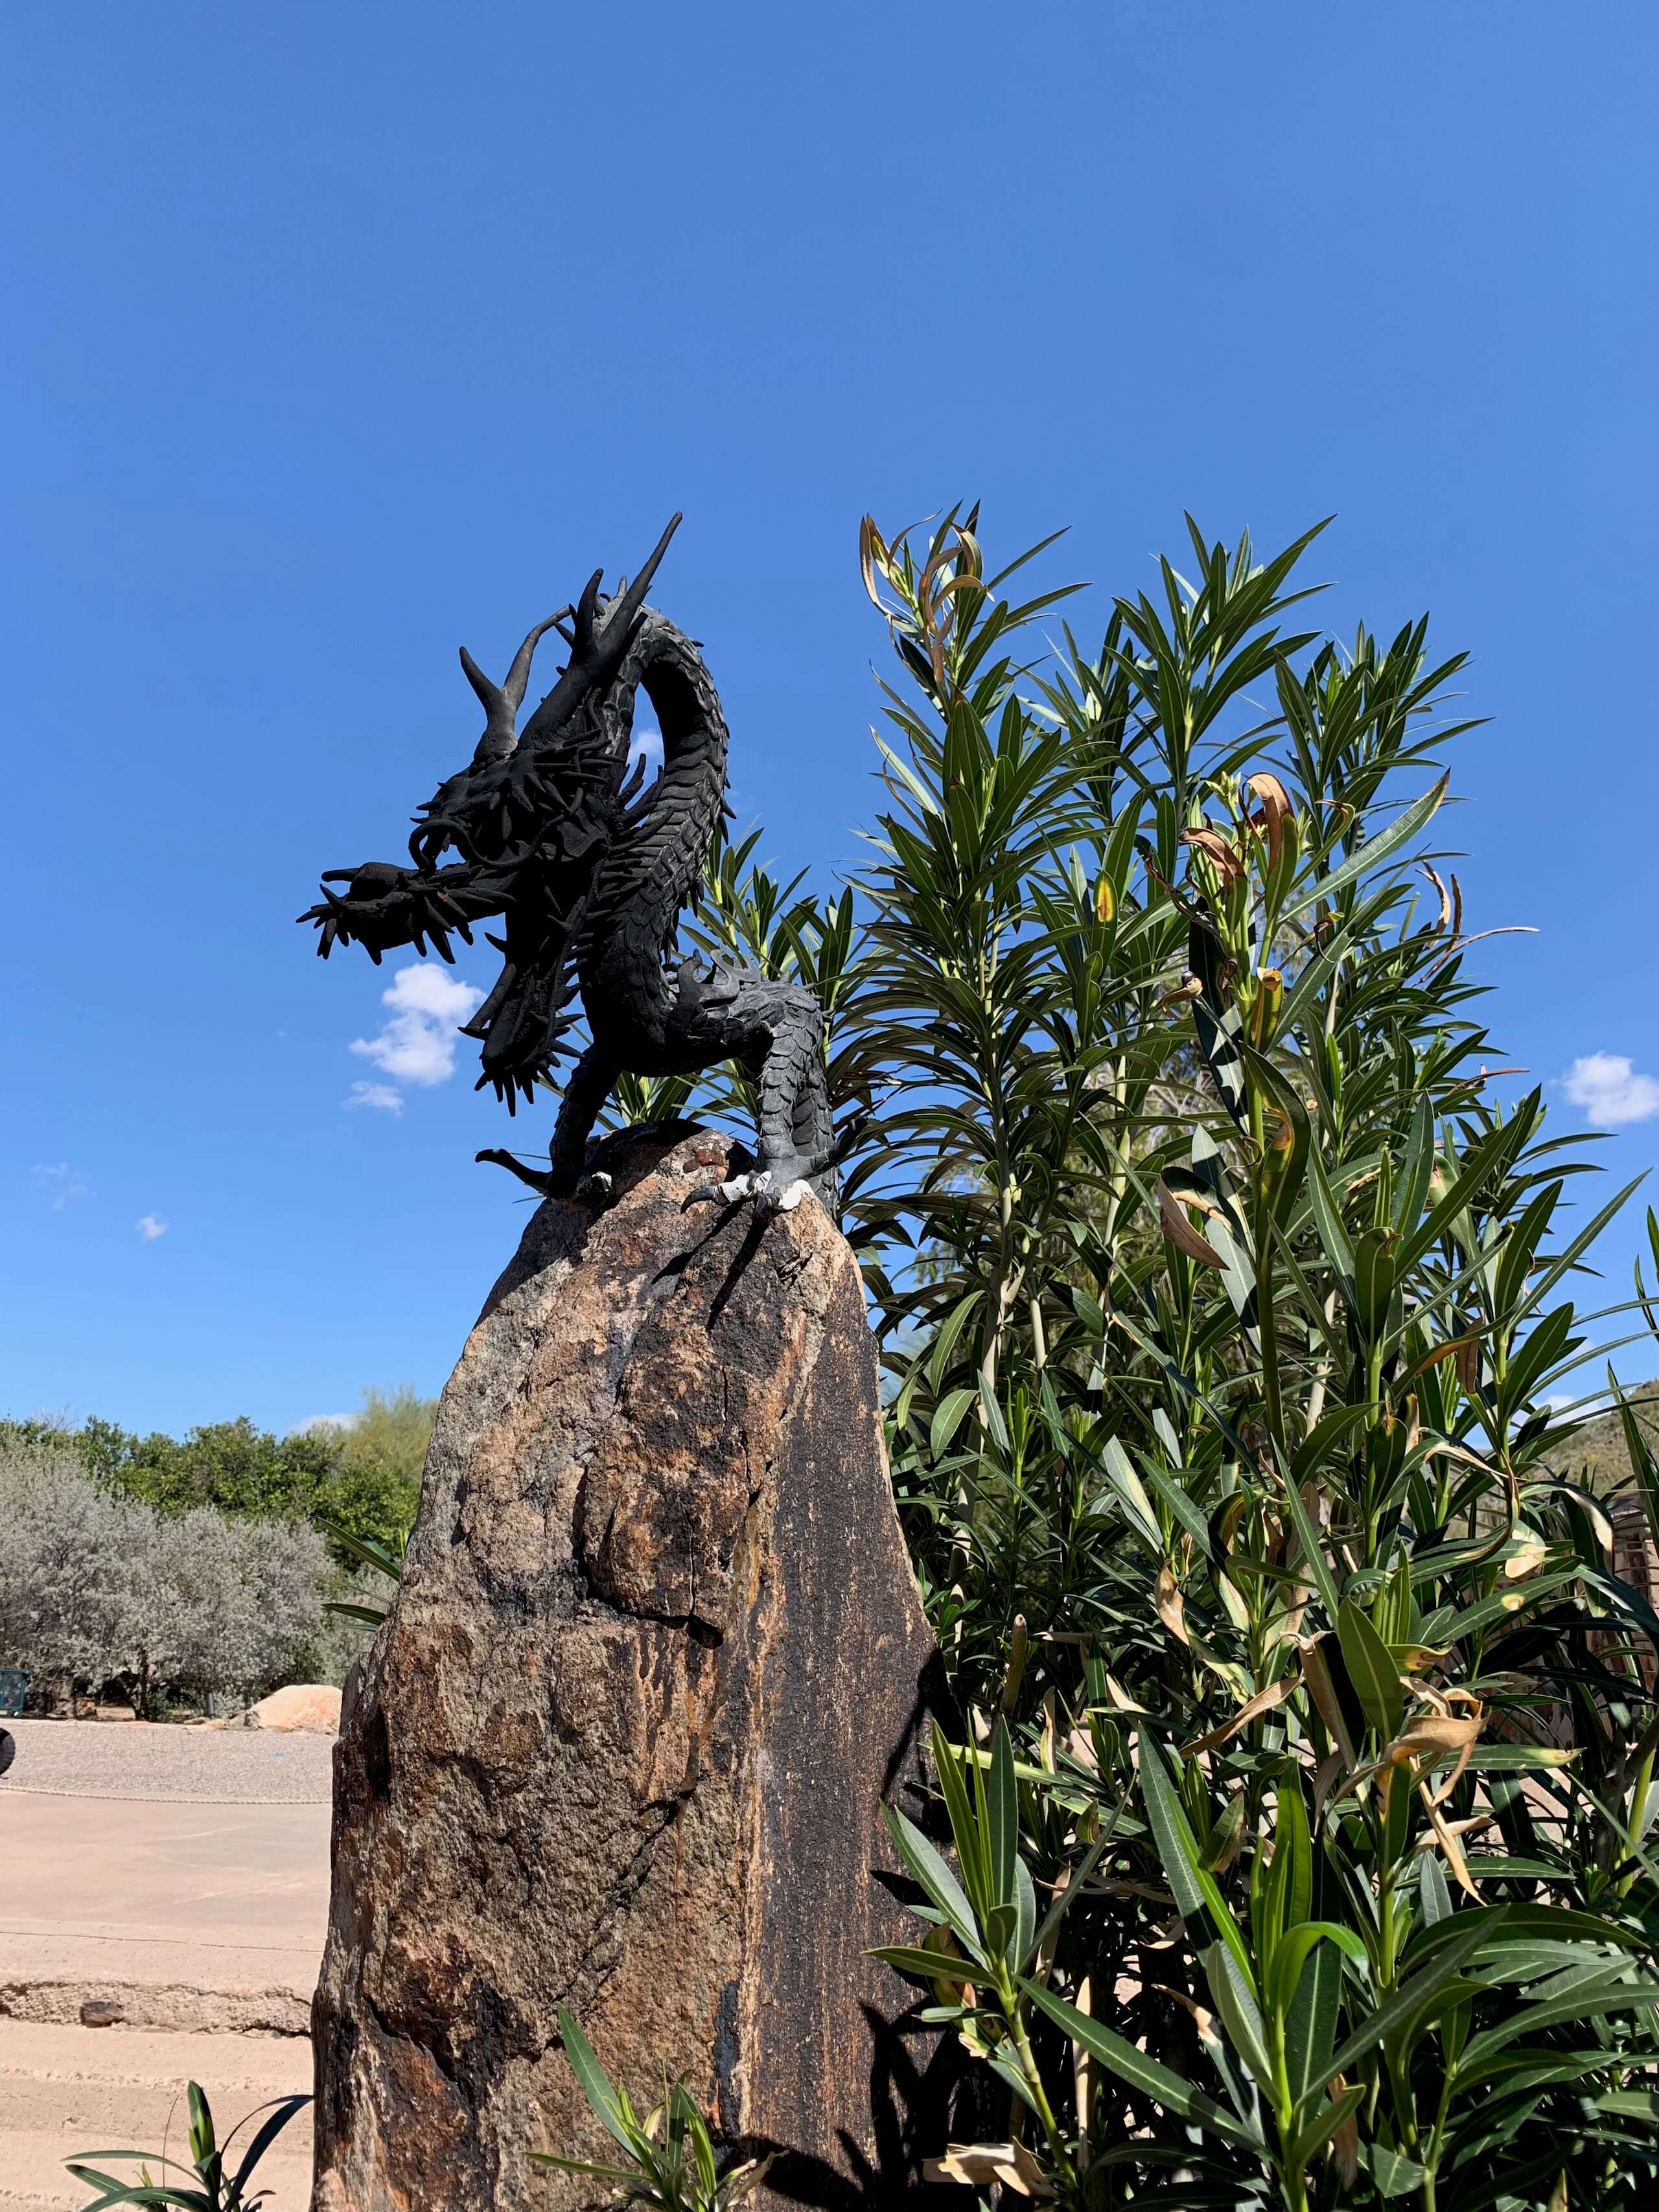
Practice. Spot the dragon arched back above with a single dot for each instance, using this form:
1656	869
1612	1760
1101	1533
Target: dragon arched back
590	870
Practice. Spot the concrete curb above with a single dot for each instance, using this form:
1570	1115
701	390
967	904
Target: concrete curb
174	2006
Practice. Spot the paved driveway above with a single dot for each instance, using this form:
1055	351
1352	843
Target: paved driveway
182	1872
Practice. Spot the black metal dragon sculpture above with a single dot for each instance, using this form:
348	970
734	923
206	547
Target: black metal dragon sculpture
590	868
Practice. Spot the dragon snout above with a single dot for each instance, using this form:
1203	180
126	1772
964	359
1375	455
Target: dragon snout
373	879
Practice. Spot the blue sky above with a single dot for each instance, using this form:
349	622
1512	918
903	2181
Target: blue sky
343	335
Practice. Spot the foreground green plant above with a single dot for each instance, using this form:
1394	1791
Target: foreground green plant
382	1556
216	2190
1303	2037
670	2152
1225	1314
986	1946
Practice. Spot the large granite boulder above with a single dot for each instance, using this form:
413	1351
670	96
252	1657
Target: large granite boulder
658	1655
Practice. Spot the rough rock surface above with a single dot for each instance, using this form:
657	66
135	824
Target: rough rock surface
658	1654
307	1708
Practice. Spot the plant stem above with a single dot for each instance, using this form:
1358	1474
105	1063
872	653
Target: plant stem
1013	2011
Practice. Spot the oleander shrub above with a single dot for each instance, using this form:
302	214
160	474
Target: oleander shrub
1304	1839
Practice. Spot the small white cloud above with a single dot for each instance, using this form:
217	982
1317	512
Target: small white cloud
1609	1089
150	1226
336	1424
375	1094
645	745
417	1045
63	1183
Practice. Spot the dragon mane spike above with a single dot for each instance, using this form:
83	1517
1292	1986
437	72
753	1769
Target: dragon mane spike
595	653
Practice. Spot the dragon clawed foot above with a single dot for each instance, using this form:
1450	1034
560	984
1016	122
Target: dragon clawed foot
538	1179
548	1183
772	1192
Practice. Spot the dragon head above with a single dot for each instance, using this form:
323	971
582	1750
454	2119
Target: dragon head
531	818
563	755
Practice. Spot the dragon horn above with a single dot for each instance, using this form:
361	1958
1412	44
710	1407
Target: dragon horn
622	618
518	675
594	653
502	702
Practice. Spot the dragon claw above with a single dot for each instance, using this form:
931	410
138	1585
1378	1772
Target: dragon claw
770	1194
723	1194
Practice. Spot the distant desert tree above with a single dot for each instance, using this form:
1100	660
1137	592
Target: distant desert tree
218	1606
358	1477
62	1580
95	1588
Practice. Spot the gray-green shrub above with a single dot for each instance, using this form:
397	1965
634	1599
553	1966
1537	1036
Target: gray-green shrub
63	1580
95	1588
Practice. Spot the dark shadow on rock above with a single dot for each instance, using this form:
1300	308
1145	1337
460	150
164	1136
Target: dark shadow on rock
754	1233
934	1702
916	2108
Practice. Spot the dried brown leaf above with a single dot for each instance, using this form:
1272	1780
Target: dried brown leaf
1526	1558
1119	1697
979	2163
743	2180
1171	1609
1276	811
1203	2019
1450	1850
1431	1737
871	550
1444	921
1172	1218
1215	849
1330	1772
1316	1674
1263	1702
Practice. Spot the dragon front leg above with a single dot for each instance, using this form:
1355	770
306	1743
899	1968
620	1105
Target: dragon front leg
592	1080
